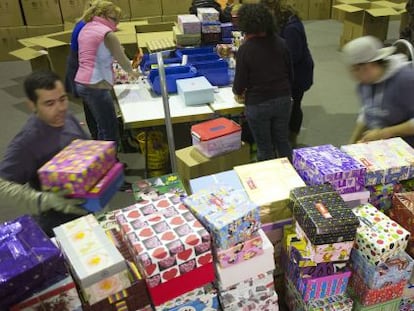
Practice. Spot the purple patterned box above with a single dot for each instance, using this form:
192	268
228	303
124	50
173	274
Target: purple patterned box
28	260
78	167
326	163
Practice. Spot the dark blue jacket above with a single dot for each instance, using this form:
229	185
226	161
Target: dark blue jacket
294	34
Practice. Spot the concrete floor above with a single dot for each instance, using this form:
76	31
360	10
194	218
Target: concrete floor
330	106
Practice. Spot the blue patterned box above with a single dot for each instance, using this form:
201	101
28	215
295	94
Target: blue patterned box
326	163
207	303
226	178
392	271
228	214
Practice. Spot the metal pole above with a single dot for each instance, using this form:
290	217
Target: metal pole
168	123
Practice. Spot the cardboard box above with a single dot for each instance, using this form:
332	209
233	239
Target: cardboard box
175	7
126	9
72	9
191	163
365	19
140	8
9	38
319	9
41	12
37	58
340	15
10	13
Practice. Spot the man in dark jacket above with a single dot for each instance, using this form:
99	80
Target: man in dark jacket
225	15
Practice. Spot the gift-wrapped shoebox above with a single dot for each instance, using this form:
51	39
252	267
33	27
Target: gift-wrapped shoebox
183	39
78	167
394	270
189	24
196	91
324	217
171	248
368	296
208	14
100	194
381	195
391	305
406	304
59	296
232	275
228	214
356	198
378	238
268	184
256	288
211	27
226	178
96	264
217	136
261	303
386	160
326	163
295	301
28	260
402	210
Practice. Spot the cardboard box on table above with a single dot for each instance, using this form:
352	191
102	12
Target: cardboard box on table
59	296
182	39
29	260
378	238
325	218
97	265
268	184
10	36
41	12
191	163
10	13
328	164
78	166
228	214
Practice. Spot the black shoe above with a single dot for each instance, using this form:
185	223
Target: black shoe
126	187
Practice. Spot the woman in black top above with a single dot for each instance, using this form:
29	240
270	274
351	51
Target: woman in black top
263	80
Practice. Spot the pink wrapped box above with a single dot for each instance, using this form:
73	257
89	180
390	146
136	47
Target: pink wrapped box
367	296
240	252
378	238
78	167
165	238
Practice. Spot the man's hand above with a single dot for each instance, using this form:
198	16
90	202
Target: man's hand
370	135
239	99
58	202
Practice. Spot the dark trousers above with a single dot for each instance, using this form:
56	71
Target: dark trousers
296	117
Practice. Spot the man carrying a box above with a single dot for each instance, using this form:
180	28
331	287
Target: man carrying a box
47	131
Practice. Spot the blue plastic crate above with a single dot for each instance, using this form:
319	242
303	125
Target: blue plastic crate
216	72
171	75
148	60
194	51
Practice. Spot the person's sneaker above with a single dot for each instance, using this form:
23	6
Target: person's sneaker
126	187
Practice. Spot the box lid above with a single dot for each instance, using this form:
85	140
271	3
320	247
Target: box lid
214	128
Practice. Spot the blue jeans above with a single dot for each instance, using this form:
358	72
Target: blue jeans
101	106
269	123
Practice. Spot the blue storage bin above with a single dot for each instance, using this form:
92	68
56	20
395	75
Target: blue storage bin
171	75
226	30
194	51
148	60
216	72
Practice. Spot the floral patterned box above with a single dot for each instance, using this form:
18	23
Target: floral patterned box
270	303
165	238
368	297
228	214
78	167
392	271
378	238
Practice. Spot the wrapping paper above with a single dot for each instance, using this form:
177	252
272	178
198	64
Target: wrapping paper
207	14
392	271
391	305
326	163
28	260
387	161
260	181
211	27
381	195
60	296
368	297
325	218
226	178
153	189
325	252
249	290
189	24
378	238
356	198
236	274
202	302
259	303
165	238
228	214
403	210
78	167
334	303
91	255
240	252
406	304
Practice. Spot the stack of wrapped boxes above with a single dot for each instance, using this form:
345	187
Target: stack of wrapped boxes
243	254
387	162
84	169
97	266
210	25
32	267
171	248
187	32
380	266
318	249
402	212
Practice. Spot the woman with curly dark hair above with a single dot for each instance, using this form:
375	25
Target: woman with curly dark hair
263	82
